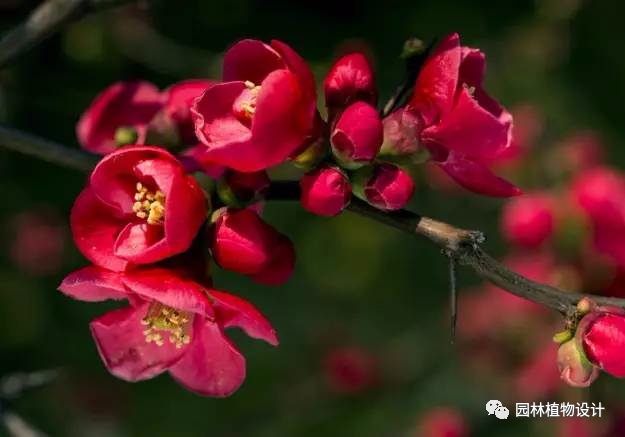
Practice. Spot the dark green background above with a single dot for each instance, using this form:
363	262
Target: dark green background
356	282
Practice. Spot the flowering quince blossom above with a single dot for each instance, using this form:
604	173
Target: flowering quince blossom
262	112
172	324
601	336
325	191
349	80
125	112
461	125
528	221
130	105
242	242
385	186
139	207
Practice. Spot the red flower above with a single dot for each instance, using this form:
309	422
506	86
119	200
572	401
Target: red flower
357	136
528	221
325	191
139	207
385	186
177	107
601	335
262	112
600	193
122	105
242	242
350	80
463	127
172	324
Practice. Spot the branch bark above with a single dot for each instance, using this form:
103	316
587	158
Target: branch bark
463	245
45	20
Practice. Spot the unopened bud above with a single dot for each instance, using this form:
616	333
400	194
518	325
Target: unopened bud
126	135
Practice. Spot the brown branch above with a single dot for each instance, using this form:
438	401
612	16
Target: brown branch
45	20
464	246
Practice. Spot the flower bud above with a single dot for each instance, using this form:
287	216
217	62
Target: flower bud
574	367
325	191
401	134
243	243
357	136
238	189
601	335
528	221
385	186
350	79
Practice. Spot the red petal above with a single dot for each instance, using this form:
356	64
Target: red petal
281	266
141	243
470	130
298	66
234	311
478	178
251	60
178	100
604	344
93	284
114	181
170	289
95	230
123	104
121	343
212	365
436	85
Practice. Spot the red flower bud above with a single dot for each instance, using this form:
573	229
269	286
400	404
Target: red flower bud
601	335
240	189
528	221
242	242
385	186
124	106
349	80
357	136
325	191
574	367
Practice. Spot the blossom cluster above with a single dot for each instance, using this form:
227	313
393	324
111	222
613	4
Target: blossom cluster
150	226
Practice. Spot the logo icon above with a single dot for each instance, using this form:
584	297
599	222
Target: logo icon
502	413
495	407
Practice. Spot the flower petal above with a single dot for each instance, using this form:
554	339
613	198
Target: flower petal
470	129
478	178
212	365
234	311
121	343
281	266
436	85
95	230
170	289
251	60
93	284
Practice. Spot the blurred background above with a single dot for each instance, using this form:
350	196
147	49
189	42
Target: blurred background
365	341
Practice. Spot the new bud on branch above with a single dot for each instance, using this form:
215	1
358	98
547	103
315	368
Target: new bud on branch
385	186
325	191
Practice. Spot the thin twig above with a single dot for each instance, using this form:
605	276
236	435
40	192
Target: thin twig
453	296
45	20
462	244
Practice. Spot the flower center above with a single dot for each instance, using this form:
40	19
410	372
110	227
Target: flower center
245	105
149	205
163	320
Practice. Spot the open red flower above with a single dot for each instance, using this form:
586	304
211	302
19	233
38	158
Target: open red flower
123	105
172	324
263	110
139	207
462	126
242	242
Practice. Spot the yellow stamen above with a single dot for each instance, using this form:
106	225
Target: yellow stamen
161	320
149	205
